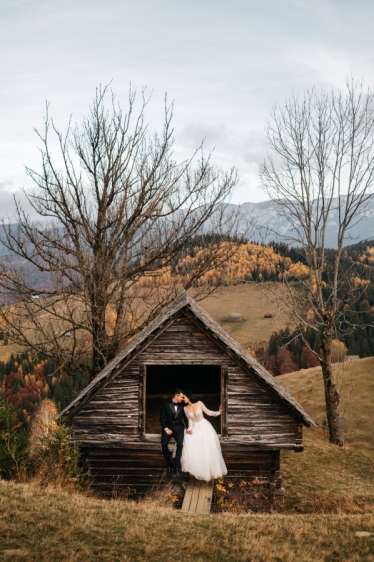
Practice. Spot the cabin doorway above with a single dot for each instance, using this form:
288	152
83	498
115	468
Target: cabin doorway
161	381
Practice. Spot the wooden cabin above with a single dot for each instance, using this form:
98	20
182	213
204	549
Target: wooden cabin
115	418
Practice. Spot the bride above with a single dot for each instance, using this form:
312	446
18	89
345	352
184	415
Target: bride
201	455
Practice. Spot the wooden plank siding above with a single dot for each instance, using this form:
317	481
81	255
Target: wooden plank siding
259	419
252	416
140	469
135	471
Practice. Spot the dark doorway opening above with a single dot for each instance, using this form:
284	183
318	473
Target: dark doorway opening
161	381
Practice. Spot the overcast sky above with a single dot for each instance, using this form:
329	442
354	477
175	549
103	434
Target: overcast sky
223	62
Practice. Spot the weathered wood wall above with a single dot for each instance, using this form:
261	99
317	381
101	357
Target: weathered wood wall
251	416
136	470
132	470
256	425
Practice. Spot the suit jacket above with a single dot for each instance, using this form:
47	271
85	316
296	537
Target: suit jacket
172	420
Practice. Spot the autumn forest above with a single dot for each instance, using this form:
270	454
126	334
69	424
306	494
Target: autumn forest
26	378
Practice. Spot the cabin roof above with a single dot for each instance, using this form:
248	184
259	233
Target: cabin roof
184	301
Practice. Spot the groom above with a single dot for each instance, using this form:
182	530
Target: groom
171	418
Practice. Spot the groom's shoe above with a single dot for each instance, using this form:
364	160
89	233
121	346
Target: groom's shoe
176	471
169	468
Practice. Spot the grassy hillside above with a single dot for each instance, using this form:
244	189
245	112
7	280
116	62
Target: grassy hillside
326	478
7	350
247	299
328	516
251	302
356	383
44	525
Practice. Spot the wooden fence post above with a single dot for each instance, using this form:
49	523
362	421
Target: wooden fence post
224	379
142	393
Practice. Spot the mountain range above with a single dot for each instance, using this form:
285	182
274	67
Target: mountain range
265	221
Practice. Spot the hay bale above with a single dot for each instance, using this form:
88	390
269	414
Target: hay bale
234	317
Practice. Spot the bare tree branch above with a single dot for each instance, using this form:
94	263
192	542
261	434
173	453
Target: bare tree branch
115	209
325	145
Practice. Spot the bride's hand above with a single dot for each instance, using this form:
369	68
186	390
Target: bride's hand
220	409
189	431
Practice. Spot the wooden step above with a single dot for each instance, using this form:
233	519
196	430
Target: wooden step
198	496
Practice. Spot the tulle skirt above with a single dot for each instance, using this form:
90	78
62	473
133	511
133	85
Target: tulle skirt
201	455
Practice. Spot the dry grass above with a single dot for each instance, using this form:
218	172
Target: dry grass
329	516
329	508
7	350
356	381
327	479
251	302
44	525
329	502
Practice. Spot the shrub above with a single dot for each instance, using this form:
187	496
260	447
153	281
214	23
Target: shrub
41	425
14	457
338	351
236	495
56	459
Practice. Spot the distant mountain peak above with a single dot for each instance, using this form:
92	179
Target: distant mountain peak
268	222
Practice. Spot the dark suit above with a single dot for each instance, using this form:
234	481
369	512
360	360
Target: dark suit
173	421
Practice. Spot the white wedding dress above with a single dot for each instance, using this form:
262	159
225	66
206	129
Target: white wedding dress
201	455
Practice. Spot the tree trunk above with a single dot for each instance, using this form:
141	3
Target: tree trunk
100	340
99	359
332	397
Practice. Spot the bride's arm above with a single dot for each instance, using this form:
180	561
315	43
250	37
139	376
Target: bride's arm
209	412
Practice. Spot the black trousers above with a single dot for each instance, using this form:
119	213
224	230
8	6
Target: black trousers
165	438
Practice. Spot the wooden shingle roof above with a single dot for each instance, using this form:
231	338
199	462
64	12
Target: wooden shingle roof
184	302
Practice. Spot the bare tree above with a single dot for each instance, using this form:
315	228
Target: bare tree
116	213
323	171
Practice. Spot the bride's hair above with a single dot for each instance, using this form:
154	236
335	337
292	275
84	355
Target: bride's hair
191	397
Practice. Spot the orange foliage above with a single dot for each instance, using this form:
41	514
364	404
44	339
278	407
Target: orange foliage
247	260
26	389
368	256
285	361
361	283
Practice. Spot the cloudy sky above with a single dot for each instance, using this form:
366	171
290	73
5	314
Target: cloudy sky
223	62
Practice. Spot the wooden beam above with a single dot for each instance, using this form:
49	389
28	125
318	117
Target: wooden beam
145	445
141	407
224	379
